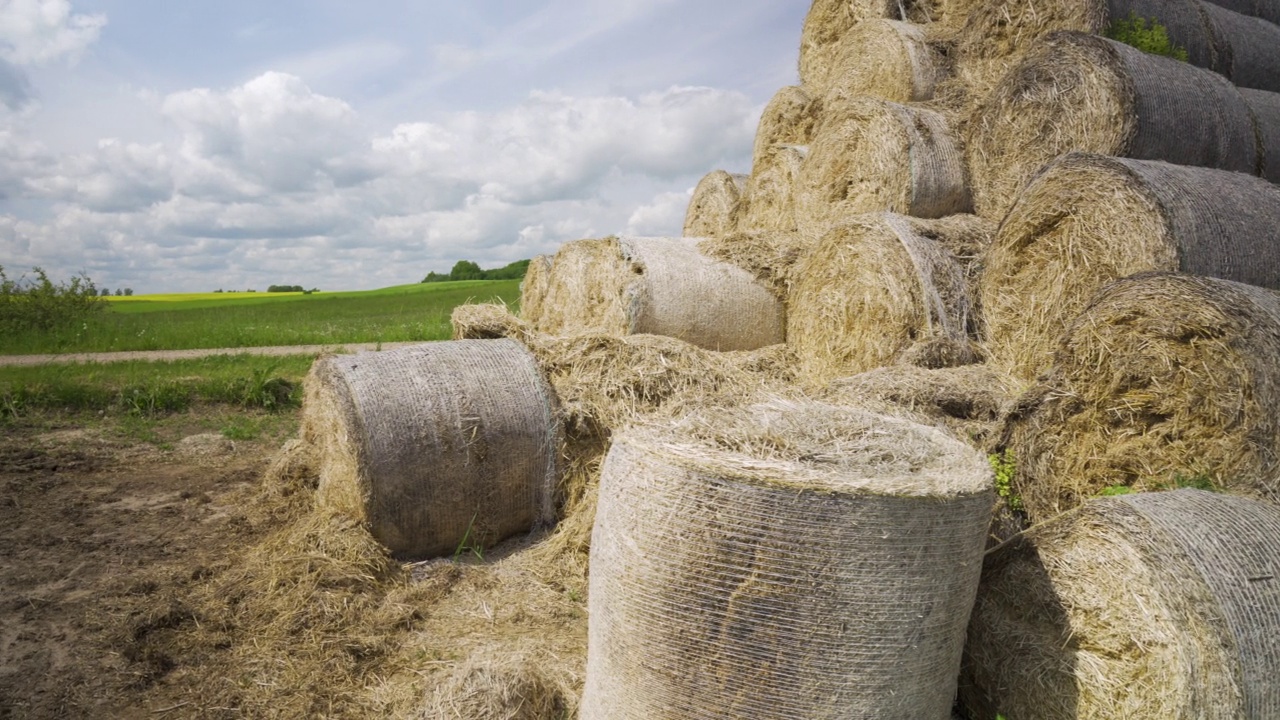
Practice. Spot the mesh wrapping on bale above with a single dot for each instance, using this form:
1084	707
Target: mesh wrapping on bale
770	201
1084	93
533	288
1266	111
875	286
659	286
1246	48
789	119
885	59
486	321
772	257
1086	220
1147	606
785	560
1266	9
874	155
434	443
1164	379
713	209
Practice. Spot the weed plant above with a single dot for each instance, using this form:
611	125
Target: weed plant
1148	36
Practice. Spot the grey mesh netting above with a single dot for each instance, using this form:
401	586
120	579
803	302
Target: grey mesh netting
440	442
1266	111
787	560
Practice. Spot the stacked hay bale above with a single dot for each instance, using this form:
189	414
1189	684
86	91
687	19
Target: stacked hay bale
1268	10
714	207
773	258
1086	220
533	288
781	144
660	286
886	59
783	560
1103	97
436	444
878	285
1159	605
1164	379
829	21
1266	113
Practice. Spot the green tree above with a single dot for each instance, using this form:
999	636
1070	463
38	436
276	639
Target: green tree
466	270
40	304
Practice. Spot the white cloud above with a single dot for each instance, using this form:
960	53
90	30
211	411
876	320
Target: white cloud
40	31
662	216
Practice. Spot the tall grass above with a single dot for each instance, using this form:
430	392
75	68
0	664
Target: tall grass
406	313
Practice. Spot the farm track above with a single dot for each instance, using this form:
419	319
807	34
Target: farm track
161	355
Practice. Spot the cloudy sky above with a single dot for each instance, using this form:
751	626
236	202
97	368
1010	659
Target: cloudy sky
184	145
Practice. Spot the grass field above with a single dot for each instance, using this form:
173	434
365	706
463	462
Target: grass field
220	320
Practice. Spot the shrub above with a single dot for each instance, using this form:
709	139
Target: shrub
1149	37
39	304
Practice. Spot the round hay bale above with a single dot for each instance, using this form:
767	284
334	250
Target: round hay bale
1268	10
884	59
1156	605
1266	111
770	200
659	286
1079	92
876	155
507	688
713	208
785	560
1163	380
486	321
828	21
789	119
872	288
1247	48
771	257
533	288
1086	220
436	445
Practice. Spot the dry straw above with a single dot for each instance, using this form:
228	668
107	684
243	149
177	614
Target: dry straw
829	21
436	445
873	155
790	118
784	560
1163	380
1148	606
659	286
770	201
1266	111
885	59
486	321
497	688
713	208
877	285
1086	220
772	257
1100	96
533	288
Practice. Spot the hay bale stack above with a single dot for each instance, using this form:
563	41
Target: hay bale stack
486	321
1148	606
1086	220
1164	379
659	286
1246	46
1266	111
1268	10
790	118
773	258
533	288
770	201
829	21
884	59
1103	97
713	208
786	560
435	443
875	155
875	286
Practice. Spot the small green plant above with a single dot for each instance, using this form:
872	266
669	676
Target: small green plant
242	428
263	389
1004	465
464	548
1200	481
1114	490
1148	36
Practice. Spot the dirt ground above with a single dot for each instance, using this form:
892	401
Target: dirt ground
96	517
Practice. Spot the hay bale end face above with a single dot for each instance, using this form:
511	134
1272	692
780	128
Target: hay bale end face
436	445
783	560
873	155
1079	92
533	288
875	286
1163	380
885	59
713	208
1148	606
789	119
1086	220
659	286
770	200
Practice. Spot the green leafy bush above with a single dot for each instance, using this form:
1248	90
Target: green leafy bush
1004	465
39	304
1148	36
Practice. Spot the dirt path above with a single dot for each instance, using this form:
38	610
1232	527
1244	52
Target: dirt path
106	357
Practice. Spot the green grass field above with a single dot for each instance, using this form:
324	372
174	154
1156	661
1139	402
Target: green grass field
230	320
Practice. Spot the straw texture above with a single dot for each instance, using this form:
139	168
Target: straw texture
770	203
786	560
886	59
875	286
874	155
533	288
773	258
1149	606
435	443
713	208
486	321
1087	220
1266	111
1164	379
790	118
659	286
1079	92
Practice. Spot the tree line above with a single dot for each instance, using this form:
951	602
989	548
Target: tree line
467	270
